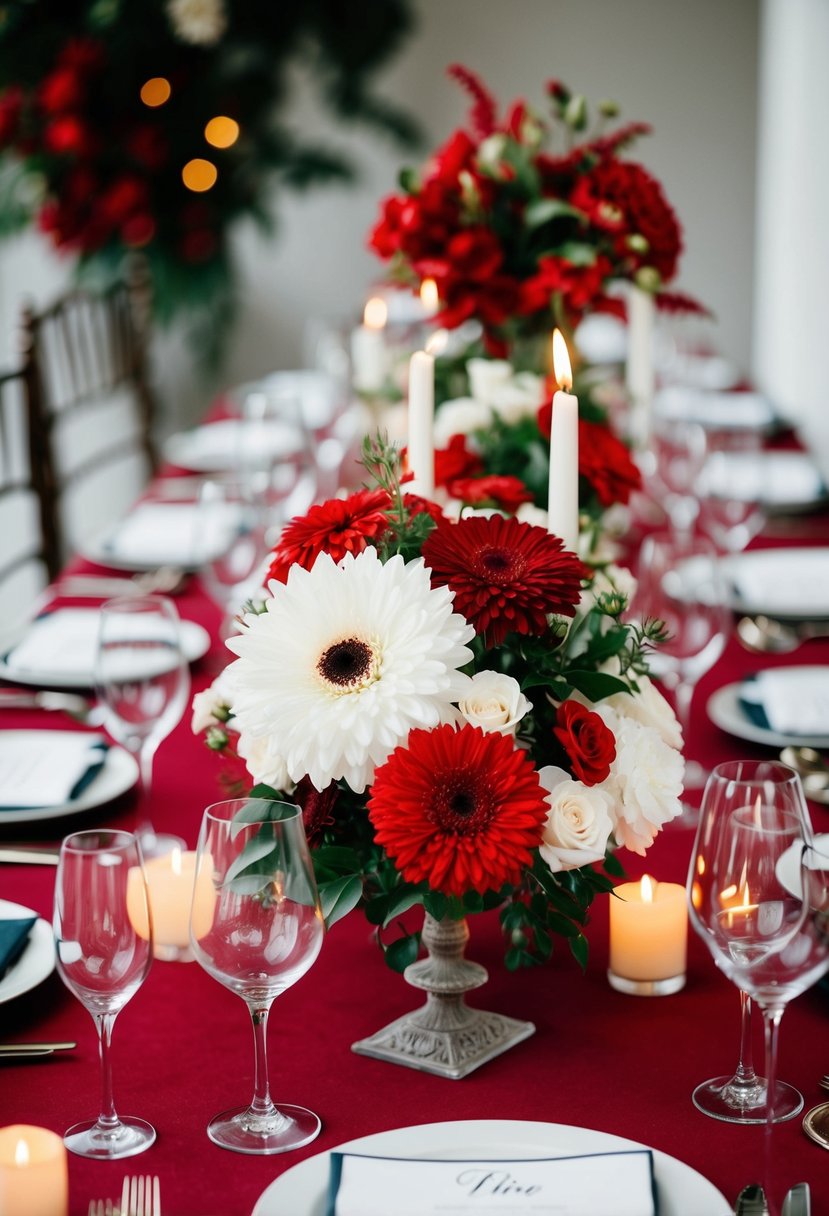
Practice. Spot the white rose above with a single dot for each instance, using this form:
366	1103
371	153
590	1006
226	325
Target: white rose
491	150
212	706
460	417
518	398
578	822
494	702
486	376
261	763
645	781
649	707
528	513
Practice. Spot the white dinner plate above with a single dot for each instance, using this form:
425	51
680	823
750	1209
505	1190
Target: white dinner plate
37	960
195	642
302	1190
787	584
788	867
714	410
724	710
230	443
117	774
158	532
783	482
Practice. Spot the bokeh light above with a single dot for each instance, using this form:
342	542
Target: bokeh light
156	91
221	131
199	175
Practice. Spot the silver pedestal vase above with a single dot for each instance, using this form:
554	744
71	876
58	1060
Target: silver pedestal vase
445	1036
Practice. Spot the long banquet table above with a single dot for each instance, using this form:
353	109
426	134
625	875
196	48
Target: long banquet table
183	1047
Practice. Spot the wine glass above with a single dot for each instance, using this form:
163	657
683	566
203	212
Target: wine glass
733	791
143	682
681	584
233	543
672	467
104	951
257	928
731	488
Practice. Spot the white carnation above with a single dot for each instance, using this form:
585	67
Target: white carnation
529	513
578	822
461	416
649	707
645	780
494	702
212	706
262	764
486	376
518	398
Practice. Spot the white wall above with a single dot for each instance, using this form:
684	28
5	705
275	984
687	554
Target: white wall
690	69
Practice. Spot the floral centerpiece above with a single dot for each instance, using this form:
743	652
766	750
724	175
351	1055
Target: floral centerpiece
460	708
525	223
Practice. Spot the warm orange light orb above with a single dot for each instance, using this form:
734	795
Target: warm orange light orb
156	91
199	175
221	132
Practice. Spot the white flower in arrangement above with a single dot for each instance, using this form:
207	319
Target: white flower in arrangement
579	821
645	781
346	660
608	580
494	702
261	763
518	398
650	708
461	416
486	376
212	706
529	513
200	22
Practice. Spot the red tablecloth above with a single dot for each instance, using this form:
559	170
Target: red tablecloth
183	1047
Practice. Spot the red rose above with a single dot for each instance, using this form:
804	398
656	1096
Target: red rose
508	493
604	461
590	745
622	197
456	461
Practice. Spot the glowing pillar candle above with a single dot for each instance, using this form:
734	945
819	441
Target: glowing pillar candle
421	423
429	297
563	494
369	356
34	1179
173	889
648	937
639	372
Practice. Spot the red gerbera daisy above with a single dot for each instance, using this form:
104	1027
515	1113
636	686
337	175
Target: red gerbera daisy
337	527
507	576
458	809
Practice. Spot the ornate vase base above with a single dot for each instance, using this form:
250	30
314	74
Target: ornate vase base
452	1053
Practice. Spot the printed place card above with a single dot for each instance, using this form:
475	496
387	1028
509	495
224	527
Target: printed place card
621	1183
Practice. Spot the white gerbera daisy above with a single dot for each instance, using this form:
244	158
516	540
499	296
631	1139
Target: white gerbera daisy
348	658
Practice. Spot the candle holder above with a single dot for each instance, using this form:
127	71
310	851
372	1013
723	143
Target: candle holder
664	987
648	938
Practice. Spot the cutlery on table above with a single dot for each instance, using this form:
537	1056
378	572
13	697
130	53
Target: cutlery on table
103	1207
765	635
798	1201
70	703
141	1196
751	1201
21	855
166	580
816	1124
824	1081
812	769
10	1051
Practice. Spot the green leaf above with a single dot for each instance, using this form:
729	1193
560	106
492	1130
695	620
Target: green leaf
436	904
399	954
473	902
613	865
249	884
577	252
409	181
401	901
335	857
596	685
375	909
513	958
257	848
580	950
546	209
339	898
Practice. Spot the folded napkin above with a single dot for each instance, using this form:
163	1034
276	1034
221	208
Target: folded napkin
715	409
788	582
47	767
621	1183
768	477
166	533
14	934
63	645
788	700
233	441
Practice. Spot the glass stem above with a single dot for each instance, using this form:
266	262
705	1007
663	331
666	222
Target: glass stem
261	1104
104	1023
146	755
683	696
771	1028
745	1075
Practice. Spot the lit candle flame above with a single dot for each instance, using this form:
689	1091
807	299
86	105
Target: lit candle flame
175	860
376	313
429	296
21	1153
647	886
437	342
561	361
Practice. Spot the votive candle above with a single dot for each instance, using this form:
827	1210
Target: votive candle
34	1179
648	937
175	895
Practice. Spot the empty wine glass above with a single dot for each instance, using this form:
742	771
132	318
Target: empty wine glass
731	488
101	908
233	544
681	584
258	933
143	682
672	465
741	1097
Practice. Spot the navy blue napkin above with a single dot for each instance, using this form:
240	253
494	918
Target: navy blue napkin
14	934
753	710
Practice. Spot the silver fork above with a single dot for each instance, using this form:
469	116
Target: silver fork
824	1082
102	1207
140	1196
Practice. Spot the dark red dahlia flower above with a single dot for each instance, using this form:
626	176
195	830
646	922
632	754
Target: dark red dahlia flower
589	743
336	527
459	809
508	493
507	576
317	808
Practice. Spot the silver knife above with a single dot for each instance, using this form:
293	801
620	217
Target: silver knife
751	1201
32	857
798	1201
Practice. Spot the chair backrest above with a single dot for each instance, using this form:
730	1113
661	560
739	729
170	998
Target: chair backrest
29	546
92	410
